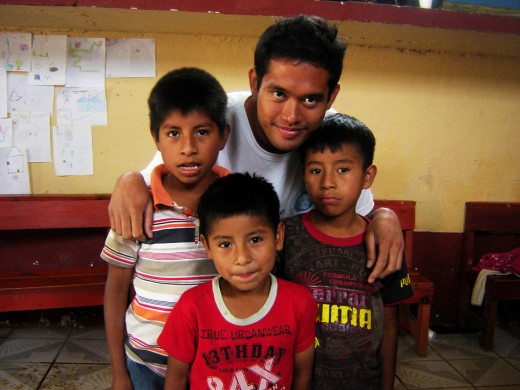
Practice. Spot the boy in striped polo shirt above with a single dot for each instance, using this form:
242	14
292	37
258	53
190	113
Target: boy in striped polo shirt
188	125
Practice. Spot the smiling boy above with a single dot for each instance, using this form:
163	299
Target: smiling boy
245	329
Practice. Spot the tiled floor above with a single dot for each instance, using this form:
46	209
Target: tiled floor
456	361
71	353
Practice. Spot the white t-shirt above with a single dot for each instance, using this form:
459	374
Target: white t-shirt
243	154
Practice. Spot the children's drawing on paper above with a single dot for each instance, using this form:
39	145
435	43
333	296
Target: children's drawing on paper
15	52
49	59
85	62
14	171
6	132
3	94
22	97
32	133
72	147
130	58
81	106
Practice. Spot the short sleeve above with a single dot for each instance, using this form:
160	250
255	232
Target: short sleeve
365	203
147	172
397	286
119	251
307	321
179	335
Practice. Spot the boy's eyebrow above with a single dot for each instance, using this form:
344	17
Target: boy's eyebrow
202	124
340	161
250	233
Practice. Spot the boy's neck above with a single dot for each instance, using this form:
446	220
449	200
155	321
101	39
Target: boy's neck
243	304
344	226
187	195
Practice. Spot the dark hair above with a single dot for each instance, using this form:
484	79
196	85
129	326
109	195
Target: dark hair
187	90
238	194
303	38
339	129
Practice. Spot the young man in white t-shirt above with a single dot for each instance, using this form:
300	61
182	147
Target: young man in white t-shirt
294	81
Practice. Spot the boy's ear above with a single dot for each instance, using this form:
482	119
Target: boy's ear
370	175
155	140
206	244
224	137
280	231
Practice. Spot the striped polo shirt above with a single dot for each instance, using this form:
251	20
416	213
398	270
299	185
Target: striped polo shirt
167	265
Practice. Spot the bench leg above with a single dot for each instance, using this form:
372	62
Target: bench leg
418	325
423	324
404	314
488	326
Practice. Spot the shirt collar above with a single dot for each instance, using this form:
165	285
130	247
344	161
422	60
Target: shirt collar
159	193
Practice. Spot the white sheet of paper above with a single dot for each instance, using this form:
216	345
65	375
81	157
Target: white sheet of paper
130	58
81	106
85	62
73	150
32	132
15	52
6	132
49	60
3	94
14	172
22	97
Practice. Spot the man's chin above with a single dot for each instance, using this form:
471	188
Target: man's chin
285	145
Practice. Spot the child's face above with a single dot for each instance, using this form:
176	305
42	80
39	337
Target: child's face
189	145
243	248
334	180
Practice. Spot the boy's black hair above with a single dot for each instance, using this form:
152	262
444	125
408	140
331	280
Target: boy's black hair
339	129
187	90
303	38
238	194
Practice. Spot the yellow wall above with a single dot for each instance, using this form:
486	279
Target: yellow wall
447	122
447	128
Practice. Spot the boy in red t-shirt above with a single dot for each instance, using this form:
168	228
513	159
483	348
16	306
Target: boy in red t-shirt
245	328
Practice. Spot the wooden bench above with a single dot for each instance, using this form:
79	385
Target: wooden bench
489	227
417	322
50	245
49	251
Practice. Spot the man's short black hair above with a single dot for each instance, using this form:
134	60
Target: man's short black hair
238	194
303	38
187	90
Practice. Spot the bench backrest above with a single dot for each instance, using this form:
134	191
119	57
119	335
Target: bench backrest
53	212
490	227
405	210
66	213
44	234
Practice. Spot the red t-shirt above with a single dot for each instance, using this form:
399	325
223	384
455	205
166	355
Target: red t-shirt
228	352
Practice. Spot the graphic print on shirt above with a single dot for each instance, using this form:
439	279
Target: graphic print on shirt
253	345
344	301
